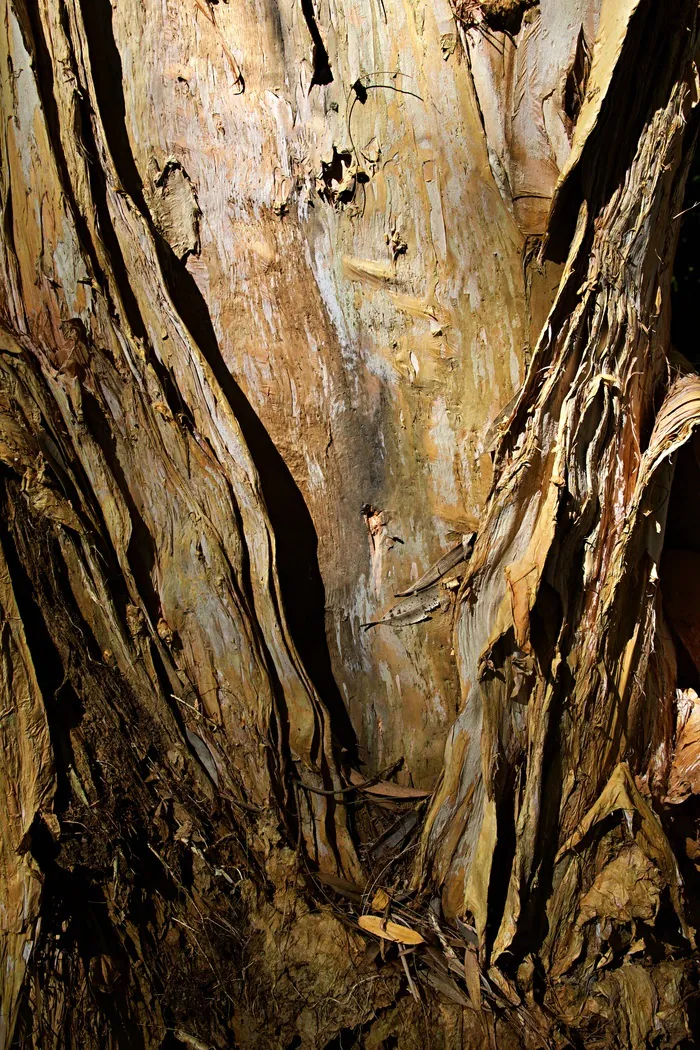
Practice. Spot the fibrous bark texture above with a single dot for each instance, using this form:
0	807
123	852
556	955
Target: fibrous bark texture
349	679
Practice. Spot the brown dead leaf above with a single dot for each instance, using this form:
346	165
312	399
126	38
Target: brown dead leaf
388	930
381	900
632	986
385	789
627	888
631	884
448	987
347	889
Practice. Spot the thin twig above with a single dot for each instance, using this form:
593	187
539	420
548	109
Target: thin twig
685	211
411	985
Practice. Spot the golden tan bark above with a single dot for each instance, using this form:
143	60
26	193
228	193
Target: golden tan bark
275	283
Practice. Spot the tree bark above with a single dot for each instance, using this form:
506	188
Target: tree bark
295	300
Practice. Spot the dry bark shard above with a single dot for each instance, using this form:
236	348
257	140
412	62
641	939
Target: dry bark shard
206	393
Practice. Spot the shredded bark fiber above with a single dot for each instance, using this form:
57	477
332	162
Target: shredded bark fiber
299	339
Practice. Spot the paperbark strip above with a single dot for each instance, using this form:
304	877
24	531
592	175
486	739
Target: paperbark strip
561	608
272	279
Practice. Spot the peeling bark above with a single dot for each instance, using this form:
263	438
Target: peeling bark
293	301
560	633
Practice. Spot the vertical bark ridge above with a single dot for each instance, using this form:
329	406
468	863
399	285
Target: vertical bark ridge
560	614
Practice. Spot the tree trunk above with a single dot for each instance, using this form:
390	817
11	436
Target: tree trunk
350	528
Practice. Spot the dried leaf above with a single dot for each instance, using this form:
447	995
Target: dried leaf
393	839
385	789
342	886
388	930
411	610
622	794
628	888
448	988
381	900
459	553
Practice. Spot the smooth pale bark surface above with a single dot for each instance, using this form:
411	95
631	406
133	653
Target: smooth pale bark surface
270	297
375	327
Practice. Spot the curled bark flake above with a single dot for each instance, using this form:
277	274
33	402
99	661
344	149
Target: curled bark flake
175	209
